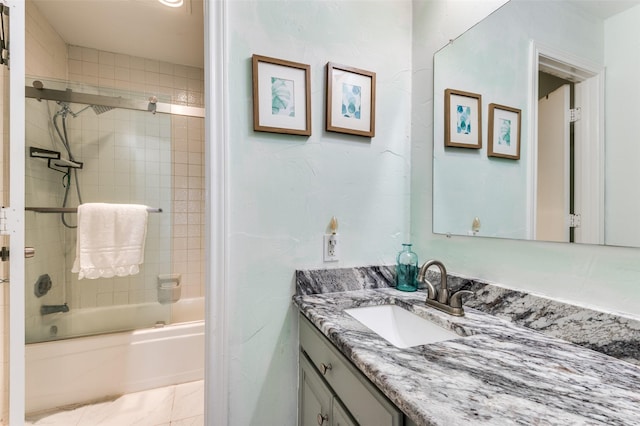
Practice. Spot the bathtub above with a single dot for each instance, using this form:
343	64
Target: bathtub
86	369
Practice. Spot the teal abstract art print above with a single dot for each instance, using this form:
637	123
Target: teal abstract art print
464	119
504	132
282	97
504	136
351	101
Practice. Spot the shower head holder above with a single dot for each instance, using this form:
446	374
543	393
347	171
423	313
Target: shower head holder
63	165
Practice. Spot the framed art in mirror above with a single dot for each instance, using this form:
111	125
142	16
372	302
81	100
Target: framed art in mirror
463	119
281	96
504	132
351	100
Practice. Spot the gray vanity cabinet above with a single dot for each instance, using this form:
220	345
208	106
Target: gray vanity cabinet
318	404
332	387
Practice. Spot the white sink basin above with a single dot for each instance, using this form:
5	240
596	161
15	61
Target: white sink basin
400	327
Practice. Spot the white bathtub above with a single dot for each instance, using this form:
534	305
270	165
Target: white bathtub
86	369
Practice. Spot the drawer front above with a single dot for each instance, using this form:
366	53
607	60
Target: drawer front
361	398
315	397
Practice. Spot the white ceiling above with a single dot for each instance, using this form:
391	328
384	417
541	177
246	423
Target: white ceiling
142	28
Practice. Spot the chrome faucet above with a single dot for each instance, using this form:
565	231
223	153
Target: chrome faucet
439	298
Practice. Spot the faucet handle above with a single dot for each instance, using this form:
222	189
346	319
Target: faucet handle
456	298
432	293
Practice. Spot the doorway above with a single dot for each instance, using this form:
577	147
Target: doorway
555	165
574	170
15	213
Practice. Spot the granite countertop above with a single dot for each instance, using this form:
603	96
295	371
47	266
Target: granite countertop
498	374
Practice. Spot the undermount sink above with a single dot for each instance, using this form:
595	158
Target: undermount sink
401	328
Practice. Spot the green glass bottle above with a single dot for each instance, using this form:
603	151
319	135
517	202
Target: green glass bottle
407	269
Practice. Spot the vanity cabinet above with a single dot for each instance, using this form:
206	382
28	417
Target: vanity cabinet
318	404
333	392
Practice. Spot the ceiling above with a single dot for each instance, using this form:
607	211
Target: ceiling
143	28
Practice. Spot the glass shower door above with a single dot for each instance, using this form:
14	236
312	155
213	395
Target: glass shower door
106	155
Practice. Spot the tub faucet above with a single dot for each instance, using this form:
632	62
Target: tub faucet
52	309
439	298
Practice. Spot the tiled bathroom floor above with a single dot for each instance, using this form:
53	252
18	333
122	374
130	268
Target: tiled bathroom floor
179	405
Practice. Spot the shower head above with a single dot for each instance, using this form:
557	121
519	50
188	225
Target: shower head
97	109
101	109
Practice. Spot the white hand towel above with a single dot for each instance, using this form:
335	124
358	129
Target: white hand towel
110	240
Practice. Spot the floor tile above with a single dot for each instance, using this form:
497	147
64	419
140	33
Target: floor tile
191	421
179	405
189	400
140	408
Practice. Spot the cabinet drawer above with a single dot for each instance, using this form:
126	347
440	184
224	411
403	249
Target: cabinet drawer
361	398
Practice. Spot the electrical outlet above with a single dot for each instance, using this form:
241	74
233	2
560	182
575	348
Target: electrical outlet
330	248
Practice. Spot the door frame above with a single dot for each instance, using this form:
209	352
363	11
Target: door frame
216	208
588	132
15	213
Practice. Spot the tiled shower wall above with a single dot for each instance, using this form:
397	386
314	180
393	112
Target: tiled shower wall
48	56
183	85
126	158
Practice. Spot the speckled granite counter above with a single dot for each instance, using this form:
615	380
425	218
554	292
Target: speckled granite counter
499	374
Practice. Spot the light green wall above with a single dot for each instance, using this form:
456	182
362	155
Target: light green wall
283	189
622	61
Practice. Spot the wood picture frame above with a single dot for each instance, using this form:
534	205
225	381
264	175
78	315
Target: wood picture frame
281	96
462	119
351	100
504	132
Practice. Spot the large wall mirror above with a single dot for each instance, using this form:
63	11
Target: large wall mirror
558	84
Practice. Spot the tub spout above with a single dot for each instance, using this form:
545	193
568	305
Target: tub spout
52	309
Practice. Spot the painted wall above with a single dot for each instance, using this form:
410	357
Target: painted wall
622	60
601	277
283	190
468	183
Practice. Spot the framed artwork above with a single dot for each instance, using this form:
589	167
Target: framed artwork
281	96
504	132
462	119
351	100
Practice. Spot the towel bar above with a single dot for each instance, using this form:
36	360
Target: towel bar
74	209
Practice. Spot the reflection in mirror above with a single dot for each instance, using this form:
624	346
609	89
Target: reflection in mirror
547	59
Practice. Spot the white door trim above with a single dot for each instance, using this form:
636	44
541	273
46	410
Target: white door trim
589	160
592	155
216	243
16	222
